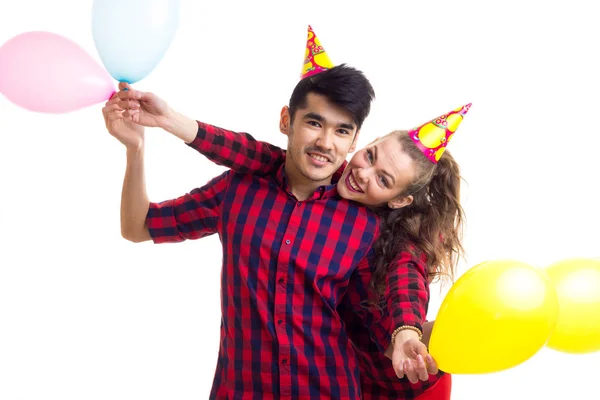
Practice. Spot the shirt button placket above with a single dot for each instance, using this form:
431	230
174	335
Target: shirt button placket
279	316
281	299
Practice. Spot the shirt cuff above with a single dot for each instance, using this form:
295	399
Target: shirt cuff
202	142
161	222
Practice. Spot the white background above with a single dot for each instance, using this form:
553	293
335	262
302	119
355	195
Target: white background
86	315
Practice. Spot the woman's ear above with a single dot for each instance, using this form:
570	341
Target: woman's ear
401	201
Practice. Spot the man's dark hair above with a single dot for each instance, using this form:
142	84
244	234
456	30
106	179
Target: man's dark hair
345	86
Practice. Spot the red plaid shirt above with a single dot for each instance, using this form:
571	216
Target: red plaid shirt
286	266
407	291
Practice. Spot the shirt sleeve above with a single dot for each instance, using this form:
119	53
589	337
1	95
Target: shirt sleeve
238	151
191	216
407	290
360	297
405	299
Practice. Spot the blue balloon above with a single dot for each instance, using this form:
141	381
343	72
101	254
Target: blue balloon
132	36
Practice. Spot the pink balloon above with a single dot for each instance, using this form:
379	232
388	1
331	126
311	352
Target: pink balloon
46	72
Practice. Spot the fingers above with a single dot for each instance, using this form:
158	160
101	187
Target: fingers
420	349
421	355
111	109
124	104
112	100
432	367
129	104
132	115
116	103
113	112
129	94
399	368
421	368
410	371
415	370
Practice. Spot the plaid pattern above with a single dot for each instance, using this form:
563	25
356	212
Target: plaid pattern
407	292
377	377
286	266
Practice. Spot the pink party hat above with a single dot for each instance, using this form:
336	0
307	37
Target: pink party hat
433	136
315	58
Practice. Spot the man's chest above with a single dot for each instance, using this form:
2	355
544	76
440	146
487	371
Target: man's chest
265	228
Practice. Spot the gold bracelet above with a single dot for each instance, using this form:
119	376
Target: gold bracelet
402	328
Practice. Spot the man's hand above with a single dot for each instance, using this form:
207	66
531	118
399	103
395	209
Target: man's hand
126	131
143	108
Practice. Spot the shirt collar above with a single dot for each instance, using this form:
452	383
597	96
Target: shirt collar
322	192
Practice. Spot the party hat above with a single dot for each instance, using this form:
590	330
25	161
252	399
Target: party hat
315	58
433	136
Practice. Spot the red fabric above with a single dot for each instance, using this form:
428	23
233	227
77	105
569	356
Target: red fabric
440	391
283	275
406	294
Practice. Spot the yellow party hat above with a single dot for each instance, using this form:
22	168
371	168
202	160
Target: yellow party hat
315	58
433	136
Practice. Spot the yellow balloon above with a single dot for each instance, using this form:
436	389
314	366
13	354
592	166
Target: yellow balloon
577	283
496	316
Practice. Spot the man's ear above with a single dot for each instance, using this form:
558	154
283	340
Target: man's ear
401	201
284	120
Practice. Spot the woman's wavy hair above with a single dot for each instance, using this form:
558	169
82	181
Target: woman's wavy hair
431	226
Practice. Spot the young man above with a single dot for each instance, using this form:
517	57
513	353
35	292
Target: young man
314	241
283	273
